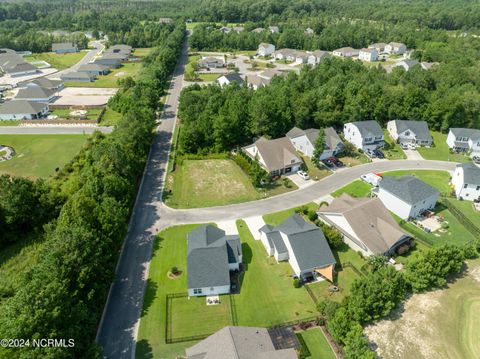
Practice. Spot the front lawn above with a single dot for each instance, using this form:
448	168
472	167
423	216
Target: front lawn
111	79
40	155
357	188
358	159
392	150
440	151
276	218
316	344
58	61
208	77
314	172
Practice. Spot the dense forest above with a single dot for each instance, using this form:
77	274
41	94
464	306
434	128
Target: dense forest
84	212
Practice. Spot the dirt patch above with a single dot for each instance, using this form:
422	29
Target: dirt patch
475	273
121	73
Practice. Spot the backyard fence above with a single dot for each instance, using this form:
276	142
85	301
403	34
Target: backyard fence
467	223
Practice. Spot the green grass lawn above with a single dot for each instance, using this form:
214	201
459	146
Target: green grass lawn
111	80
58	61
110	117
142	51
358	159
467	208
40	155
9	123
394	151
209	182
437	179
357	188
317	344
276	218
208	77
64	113
267	295
441	151
314	172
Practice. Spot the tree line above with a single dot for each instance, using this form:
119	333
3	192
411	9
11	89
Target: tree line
63	295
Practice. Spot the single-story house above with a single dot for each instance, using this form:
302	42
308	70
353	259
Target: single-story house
277	156
229	78
346	52
407	196
464	140
379	46
225	30
23	110
211	62
258	30
112	61
14	65
304	141
369	55
238	29
64	47
466	182
286	54
407	64
364	135
366	224
302	244
274	29
265	49
55	85
404	131
269	74
211	255
78	77
239	343
317	56
21	69
255	81
94	69
395	48
35	94
124	50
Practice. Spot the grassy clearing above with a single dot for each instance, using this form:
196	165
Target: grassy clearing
438	324
394	151
208	77
357	188
441	151
276	218
58	61
314	172
142	51
64	113
111	80
317	344
467	208
110	117
267	295
9	123
40	155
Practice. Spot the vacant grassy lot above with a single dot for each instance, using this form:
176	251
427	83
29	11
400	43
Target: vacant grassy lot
441	151
40	155
142	51
110	117
64	113
206	183
267	295
441	324
357	188
58	61
394	151
111	80
316	344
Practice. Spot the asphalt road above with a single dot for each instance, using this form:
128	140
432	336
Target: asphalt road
54	130
118	328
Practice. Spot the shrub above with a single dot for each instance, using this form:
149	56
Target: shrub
312	215
174	270
297	283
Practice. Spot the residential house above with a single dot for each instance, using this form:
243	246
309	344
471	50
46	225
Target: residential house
258	30
407	196
303	245
415	132
269	74
35	94
369	55
229	78
277	156
239	343
55	85
379	46
304	141
211	62
165	20
225	30
395	48
23	110
286	54
238	29
364	135
21	69
301	57
94	69
211	255
255	81
274	29
317	56
126	50
366	224
265	49
464	140
466	182
112	61
346	52
64	47
407	64
78	77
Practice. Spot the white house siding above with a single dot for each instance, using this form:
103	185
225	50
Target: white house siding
266	51
403	209
253	151
352	135
264	240
16	116
368	55
281	257
392	129
223	81
234	266
210	291
302	144
23	73
470	193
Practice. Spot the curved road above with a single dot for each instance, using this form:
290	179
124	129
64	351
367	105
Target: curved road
118	328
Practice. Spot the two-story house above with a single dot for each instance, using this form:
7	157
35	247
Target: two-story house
464	140
265	49
415	132
466	182
364	135
304	141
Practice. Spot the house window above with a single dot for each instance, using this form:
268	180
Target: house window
465	185
197	291
478	188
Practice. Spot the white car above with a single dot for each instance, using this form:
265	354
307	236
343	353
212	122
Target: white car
303	175
371	178
412	146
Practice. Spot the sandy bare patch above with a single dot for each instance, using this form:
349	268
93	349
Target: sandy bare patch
475	273
121	73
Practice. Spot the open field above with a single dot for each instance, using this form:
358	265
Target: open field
441	151
110	117
64	113
111	80
439	324
317	344
58	61
141	51
9	123
40	155
394	151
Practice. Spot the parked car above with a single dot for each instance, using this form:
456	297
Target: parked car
412	146
379	154
303	175
370	153
404	146
371	178
476	159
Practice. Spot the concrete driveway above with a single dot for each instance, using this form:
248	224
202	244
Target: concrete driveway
254	224
413	155
299	181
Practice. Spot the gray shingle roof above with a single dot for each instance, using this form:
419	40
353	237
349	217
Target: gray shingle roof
276	241
369	128
63	46
471	174
77	75
294	224
419	128
92	67
471	133
34	92
234	77
20	67
408	188
332	139
47	83
22	107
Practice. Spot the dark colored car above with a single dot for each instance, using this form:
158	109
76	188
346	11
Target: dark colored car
379	154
